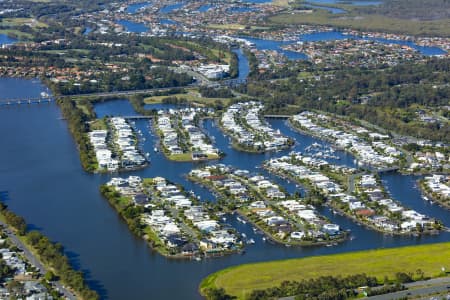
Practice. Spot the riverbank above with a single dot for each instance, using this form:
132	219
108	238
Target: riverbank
286	222
368	204
47	256
174	223
444	202
120	204
240	280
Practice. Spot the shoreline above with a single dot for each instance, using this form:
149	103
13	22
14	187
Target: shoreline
423	189
267	234
330	204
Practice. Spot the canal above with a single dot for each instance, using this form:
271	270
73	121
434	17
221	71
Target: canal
41	172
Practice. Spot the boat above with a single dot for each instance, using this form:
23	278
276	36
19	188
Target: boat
197	258
243	235
155	149
250	241
241	220
263	238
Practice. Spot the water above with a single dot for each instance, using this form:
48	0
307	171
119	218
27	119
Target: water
240	9
170	8
40	168
10	86
333	10
204	8
134	8
87	30
243	64
168	22
257	1
6	40
355	3
264	44
133	26
337	35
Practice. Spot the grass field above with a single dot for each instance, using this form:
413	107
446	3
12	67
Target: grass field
241	280
16	33
185	157
366	22
22	21
190	96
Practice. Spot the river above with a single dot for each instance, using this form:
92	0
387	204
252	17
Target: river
41	172
6	40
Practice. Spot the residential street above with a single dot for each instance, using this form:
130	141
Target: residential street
35	262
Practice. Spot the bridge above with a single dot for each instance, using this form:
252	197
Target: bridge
138	117
277	116
387	169
126	93
31	100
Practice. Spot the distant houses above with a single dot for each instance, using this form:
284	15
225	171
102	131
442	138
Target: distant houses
244	123
180	134
115	149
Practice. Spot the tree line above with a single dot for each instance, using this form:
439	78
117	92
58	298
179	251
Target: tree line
51	254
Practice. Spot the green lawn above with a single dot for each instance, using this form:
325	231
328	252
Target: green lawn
241	280
22	21
16	33
191	96
188	157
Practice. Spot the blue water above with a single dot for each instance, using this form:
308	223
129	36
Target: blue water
356	3
170	8
204	8
41	171
337	35
241	9
243	64
133	26
257	1
168	22
6	40
133	8
87	30
264	44
333	10
9	88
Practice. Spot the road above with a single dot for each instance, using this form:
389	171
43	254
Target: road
419	288
414	289
127	93
33	260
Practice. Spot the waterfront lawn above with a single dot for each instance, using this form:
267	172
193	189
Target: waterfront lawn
13	22
241	280
188	157
16	34
98	124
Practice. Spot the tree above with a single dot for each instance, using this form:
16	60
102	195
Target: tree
50	276
217	294
16	289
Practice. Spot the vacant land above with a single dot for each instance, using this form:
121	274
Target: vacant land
367	22
22	21
241	280
191	96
